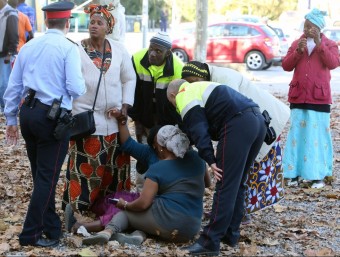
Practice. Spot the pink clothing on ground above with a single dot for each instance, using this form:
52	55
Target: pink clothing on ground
105	210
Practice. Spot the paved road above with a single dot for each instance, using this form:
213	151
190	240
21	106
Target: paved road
275	79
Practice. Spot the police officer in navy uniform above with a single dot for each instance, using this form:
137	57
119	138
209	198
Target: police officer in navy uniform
48	72
211	111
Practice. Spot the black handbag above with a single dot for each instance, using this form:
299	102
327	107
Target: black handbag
84	123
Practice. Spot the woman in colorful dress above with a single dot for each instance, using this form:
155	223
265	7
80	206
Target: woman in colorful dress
265	179
96	167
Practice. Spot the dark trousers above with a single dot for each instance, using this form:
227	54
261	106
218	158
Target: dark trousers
46	156
239	143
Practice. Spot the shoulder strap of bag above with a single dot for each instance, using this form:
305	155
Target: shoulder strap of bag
100	76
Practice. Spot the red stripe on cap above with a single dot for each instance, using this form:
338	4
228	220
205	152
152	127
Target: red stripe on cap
58	15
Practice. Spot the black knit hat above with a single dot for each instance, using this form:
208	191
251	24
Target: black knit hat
196	69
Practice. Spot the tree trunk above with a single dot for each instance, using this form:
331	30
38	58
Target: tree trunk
201	30
145	20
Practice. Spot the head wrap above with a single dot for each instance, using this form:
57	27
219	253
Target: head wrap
162	39
317	18
173	139
103	10
196	69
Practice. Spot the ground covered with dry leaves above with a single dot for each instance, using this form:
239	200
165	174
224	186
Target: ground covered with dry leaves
305	223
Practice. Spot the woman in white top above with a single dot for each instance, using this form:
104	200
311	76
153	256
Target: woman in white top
96	167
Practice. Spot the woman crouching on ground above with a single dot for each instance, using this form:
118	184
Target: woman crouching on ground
170	205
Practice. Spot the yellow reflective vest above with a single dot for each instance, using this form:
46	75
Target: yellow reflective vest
199	94
151	106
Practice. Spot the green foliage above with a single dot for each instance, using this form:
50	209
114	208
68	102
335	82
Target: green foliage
132	7
273	8
186	10
263	8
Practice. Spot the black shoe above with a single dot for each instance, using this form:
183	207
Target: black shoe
54	238
226	241
196	249
43	242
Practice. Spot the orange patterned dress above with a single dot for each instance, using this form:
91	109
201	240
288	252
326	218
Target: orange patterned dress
96	166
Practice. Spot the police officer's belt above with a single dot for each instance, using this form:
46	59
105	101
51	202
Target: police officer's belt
36	102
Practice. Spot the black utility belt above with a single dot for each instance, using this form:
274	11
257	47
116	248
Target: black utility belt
53	111
35	102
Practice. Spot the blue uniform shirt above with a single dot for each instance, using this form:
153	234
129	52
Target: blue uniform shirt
51	66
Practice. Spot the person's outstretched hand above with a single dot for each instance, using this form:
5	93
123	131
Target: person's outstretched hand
116	113
217	171
125	108
12	135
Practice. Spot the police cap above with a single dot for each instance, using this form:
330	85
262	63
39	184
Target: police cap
58	10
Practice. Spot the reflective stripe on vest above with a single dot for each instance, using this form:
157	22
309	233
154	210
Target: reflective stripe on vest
190	95
142	73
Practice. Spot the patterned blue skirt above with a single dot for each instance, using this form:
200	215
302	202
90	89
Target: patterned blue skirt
308	152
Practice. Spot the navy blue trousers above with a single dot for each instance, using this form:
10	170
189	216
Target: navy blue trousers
239	142
46	156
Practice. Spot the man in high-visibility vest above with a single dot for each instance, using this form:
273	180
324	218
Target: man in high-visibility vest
211	111
155	66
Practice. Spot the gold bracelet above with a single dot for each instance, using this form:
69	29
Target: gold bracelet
125	205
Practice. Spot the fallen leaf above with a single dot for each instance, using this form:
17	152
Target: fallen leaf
321	252
279	208
270	242
10	192
4	247
74	241
248	250
3	226
87	252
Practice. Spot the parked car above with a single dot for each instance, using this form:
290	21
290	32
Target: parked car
283	41
235	42
333	33
247	18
